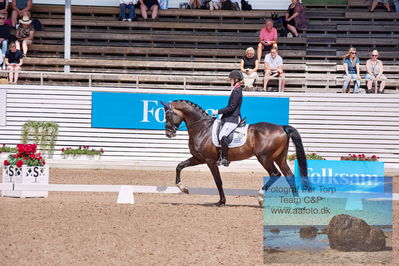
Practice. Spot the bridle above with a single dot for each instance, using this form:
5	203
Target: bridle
172	128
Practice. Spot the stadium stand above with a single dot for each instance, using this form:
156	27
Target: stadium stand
194	49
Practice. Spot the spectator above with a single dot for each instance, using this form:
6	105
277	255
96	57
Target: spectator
25	34
374	4
352	70
20	8
274	68
14	62
152	5
4	35
214	5
374	73
295	18
396	3
267	38
249	66
4	8
123	4
195	4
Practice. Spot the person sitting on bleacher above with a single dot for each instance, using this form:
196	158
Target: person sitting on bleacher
267	38
4	8
274	68
195	4
295	18
249	66
214	5
396	3
152	5
20	8
352	71
385	3
123	4
374	73
25	34
14	62
4	35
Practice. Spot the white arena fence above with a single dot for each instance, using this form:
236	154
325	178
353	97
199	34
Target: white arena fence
125	192
330	124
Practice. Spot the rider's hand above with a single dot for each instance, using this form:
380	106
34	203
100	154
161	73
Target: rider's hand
214	112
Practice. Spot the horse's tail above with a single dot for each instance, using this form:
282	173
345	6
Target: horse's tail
300	152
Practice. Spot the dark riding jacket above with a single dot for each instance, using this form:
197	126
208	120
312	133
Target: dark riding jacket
231	113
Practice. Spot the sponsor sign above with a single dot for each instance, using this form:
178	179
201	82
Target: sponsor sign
145	111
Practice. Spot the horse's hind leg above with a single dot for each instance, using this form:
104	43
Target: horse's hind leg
274	174
289	176
189	162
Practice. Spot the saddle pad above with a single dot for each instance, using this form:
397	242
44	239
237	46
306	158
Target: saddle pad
239	135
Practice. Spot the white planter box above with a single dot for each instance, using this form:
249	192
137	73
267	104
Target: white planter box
25	175
82	157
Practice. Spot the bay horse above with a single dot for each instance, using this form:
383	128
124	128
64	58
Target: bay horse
268	142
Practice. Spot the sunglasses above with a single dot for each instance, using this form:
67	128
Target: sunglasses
353	52
374	55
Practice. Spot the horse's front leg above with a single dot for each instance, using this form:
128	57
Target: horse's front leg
216	176
189	162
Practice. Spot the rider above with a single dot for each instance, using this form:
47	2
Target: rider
231	114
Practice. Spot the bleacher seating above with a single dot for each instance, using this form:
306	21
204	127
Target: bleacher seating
197	48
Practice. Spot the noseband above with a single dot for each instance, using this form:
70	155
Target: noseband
173	127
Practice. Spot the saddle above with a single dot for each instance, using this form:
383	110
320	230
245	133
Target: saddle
236	138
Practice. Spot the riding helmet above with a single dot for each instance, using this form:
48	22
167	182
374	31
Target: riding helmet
236	74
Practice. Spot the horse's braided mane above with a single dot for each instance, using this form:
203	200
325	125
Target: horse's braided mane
194	105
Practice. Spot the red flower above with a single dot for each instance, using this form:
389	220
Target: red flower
62	149
6	163
19	163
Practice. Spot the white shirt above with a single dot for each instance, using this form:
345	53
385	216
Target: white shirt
273	63
128	2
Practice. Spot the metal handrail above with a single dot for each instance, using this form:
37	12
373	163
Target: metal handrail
136	80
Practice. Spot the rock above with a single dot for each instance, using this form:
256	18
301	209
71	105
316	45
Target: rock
275	230
308	232
323	231
348	233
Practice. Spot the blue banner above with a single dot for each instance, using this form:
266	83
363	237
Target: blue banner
346	175
145	111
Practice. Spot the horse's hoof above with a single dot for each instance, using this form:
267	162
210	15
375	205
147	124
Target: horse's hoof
182	188
220	204
261	196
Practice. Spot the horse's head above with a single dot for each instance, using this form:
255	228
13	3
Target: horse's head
173	119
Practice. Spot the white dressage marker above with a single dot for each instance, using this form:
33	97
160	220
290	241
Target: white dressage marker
125	195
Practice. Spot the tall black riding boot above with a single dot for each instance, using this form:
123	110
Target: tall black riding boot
224	152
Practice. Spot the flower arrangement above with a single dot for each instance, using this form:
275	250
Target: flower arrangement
82	150
4	148
26	154
309	156
359	157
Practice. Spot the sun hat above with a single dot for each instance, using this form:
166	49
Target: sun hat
25	20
